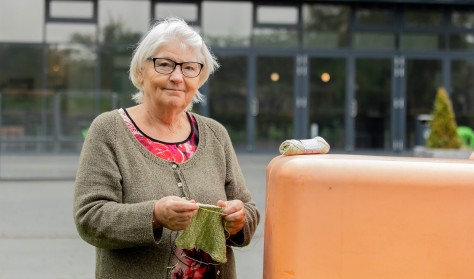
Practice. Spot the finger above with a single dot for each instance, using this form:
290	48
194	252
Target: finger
233	206
233	227
184	206
221	203
238	216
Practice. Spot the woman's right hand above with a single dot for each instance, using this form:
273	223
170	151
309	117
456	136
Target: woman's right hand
174	213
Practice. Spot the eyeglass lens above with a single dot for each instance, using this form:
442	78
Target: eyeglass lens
166	66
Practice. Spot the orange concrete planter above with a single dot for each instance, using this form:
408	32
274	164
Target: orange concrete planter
369	217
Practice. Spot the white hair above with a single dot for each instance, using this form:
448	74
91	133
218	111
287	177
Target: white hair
161	33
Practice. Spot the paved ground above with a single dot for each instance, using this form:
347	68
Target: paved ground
37	235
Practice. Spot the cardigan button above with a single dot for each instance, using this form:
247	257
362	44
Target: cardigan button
175	166
180	184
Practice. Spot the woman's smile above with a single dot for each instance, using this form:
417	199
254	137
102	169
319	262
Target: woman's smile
173	90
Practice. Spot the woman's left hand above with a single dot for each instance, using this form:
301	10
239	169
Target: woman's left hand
234	218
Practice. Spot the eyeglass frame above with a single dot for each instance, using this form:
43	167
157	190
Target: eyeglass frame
153	59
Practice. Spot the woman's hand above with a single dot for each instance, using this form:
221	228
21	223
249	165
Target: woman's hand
234	218
174	213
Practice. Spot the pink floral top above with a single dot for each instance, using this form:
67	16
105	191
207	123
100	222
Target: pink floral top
185	264
178	152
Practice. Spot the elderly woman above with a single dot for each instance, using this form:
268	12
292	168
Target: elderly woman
144	171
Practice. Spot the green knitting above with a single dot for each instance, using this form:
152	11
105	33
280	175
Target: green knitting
205	232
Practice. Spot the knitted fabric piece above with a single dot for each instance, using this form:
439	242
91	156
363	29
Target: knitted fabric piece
205	232
315	145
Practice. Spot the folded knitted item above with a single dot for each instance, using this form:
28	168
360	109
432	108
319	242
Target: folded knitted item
315	145
205	232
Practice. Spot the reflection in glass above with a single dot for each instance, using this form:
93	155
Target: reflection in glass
327	98
71	32
325	26
275	101
277	15
116	89
462	95
462	41
463	19
72	9
186	11
21	92
227	24
118	25
375	41
423	18
15	27
423	79
71	78
227	99
375	17
373	95
416	41
275	38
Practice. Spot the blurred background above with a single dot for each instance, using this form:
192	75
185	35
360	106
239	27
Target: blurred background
361	74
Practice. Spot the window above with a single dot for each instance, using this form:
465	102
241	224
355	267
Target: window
189	11
277	15
325	26
463	23
71	11
71	21
20	88
423	18
71	77
375	17
227	24
276	26
18	24
462	94
118	24
275	38
71	32
67	9
463	19
374	40
421	41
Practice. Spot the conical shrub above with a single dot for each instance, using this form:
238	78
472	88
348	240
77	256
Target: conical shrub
443	127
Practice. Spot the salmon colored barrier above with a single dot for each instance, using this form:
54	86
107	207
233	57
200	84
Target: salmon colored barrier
369	217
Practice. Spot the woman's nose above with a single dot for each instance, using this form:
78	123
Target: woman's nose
176	74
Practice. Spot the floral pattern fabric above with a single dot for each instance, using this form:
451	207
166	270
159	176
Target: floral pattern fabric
178	152
186	264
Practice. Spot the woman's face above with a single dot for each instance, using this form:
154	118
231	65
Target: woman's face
173	90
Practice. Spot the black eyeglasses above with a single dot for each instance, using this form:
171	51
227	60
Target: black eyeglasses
167	66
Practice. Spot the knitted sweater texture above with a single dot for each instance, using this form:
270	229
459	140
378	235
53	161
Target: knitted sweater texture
118	181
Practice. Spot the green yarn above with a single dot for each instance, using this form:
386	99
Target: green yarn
205	232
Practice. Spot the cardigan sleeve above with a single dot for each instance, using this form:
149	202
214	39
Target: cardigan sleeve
99	214
236	189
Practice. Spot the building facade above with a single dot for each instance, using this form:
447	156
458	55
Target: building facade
361	74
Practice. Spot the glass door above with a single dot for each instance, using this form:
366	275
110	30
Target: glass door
422	80
228	96
274	102
372	106
326	108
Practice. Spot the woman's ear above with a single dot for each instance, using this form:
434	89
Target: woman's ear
140	76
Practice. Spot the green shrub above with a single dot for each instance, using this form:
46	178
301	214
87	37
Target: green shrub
443	127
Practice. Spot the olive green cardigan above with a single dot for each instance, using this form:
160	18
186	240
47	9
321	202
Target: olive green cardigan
118	182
